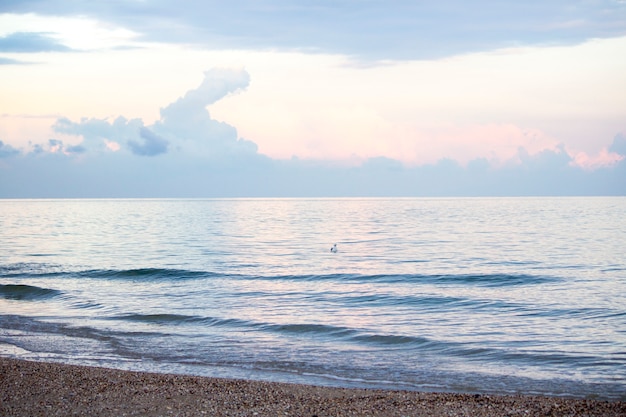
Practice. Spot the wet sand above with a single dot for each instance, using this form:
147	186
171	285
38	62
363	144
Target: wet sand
48	389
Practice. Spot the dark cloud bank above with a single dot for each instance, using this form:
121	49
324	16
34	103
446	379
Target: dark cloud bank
188	154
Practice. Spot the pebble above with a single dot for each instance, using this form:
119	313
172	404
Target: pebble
49	389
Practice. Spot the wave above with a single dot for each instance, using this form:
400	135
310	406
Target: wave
171	351
286	329
310	329
367	341
486	280
26	292
146	273
432	302
41	270
158	318
29	269
178	319
166	274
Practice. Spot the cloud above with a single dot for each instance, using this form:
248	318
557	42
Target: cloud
7	150
9	61
57	146
619	145
152	143
545	160
119	174
608	156
76	149
96	133
371	30
188	120
185	125
381	163
217	83
545	173
31	42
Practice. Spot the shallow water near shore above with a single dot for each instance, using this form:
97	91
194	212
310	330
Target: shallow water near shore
496	295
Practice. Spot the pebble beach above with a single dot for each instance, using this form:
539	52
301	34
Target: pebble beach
51	389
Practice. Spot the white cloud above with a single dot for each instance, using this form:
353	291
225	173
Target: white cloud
64	33
97	133
188	119
185	125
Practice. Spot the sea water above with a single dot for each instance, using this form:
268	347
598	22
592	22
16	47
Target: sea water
482	295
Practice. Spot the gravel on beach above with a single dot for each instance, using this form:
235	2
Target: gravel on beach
51	389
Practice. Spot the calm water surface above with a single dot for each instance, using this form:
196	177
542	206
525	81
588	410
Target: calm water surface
472	295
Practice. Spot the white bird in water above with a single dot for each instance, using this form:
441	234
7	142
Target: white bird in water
334	248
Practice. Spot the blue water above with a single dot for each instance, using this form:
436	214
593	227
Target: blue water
481	295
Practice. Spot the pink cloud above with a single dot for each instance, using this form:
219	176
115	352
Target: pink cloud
590	162
112	146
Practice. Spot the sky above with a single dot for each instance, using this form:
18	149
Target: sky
282	98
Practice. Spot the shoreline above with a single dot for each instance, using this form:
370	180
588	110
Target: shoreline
43	388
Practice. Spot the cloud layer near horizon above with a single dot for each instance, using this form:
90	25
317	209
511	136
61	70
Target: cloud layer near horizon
186	153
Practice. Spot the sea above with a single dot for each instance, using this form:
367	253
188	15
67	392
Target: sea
473	295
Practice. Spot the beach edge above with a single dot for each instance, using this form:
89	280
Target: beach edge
30	388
